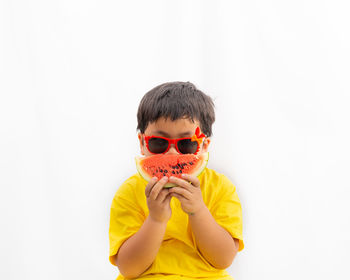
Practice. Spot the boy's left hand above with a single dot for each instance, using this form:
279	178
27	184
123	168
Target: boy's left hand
189	193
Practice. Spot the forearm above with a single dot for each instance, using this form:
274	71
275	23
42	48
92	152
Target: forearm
214	242
139	251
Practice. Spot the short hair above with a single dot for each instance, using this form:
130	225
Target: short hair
176	100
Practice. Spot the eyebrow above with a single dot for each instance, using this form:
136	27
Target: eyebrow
184	134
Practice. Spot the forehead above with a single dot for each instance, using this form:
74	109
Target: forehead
172	129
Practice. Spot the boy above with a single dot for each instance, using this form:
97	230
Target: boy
190	231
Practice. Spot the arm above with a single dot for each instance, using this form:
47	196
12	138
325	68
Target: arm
213	241
216	245
138	252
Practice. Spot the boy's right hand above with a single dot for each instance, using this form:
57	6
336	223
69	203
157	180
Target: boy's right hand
158	200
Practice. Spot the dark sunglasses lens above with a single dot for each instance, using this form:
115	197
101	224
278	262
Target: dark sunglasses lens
186	146
157	145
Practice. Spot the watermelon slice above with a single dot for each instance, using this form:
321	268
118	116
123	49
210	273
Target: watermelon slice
171	165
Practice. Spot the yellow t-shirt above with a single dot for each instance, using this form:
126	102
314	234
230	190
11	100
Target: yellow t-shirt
178	256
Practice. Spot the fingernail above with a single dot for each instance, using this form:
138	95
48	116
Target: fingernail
183	175
165	178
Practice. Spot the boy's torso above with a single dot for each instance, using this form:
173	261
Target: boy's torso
178	254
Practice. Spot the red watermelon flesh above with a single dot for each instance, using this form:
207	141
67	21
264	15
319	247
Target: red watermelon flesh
171	165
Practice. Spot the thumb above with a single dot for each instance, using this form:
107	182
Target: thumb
167	198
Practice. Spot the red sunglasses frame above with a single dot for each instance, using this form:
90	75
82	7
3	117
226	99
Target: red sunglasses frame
170	141
196	137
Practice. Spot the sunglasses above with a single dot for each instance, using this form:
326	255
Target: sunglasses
188	145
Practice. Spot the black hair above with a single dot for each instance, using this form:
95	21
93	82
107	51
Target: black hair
176	100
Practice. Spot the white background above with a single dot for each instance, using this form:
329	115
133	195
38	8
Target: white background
72	73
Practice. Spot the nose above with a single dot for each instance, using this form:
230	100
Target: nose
172	150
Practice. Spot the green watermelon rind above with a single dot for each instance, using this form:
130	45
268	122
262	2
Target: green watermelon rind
170	185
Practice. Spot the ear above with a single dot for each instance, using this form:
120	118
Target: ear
206	144
141	140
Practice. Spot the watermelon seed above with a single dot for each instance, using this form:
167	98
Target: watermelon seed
180	171
173	172
191	163
160	170
166	171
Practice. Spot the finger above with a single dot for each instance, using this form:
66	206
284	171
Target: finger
181	191
167	198
150	185
182	183
192	179
162	195
157	188
179	197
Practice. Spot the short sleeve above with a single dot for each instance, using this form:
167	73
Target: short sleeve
228	210
126	217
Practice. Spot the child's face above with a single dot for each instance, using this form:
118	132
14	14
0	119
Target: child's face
171	129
